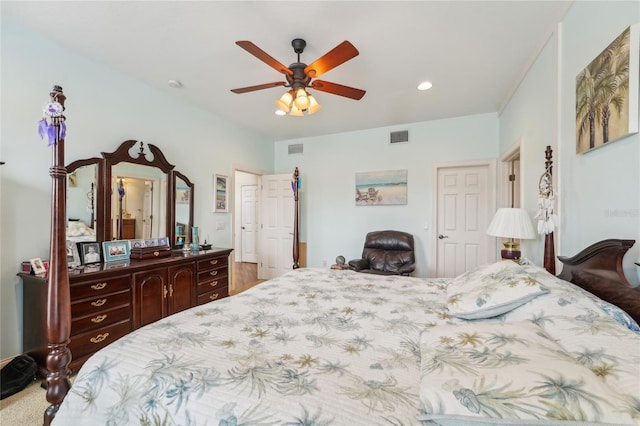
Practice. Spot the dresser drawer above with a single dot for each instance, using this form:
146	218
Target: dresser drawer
212	295
216	262
100	319
207	286
219	275
90	342
100	304
96	288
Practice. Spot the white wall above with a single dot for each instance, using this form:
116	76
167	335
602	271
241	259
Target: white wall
600	188
333	225
104	108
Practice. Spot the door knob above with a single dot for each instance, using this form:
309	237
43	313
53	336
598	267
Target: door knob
442	236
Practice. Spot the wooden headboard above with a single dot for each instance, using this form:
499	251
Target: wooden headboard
598	269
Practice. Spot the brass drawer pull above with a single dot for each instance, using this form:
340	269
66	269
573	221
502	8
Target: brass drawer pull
156	253
214	262
99	286
213	283
98	319
99	338
214	296
99	302
213	273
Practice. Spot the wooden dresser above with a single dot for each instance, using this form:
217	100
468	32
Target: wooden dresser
112	299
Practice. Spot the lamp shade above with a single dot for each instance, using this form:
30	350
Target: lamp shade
511	223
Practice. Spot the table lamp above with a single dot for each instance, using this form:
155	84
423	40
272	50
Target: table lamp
512	223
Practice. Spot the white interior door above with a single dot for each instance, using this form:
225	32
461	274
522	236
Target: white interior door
147	210
249	222
276	241
465	203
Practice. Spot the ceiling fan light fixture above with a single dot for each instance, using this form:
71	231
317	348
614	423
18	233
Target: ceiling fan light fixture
295	111
284	103
302	100
314	106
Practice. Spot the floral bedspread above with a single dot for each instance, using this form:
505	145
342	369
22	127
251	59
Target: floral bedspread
317	347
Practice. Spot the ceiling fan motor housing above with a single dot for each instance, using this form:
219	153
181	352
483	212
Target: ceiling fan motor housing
299	79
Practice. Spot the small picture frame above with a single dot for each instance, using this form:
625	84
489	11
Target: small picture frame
163	242
137	244
220	194
73	256
37	266
116	250
90	252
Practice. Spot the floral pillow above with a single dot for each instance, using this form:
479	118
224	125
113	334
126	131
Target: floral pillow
510	373
491	290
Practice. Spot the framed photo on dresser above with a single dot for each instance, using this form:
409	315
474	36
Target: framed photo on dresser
90	252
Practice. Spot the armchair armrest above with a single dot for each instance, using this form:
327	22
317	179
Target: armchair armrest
359	264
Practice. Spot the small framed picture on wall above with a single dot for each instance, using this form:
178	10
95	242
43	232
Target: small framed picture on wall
220	194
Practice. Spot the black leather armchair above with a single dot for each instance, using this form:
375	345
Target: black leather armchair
386	253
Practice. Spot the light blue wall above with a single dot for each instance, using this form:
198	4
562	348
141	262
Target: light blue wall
333	225
528	119
104	108
600	190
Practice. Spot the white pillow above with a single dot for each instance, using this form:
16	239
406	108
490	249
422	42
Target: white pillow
509	373
491	290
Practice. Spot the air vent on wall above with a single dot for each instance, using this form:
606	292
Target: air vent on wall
399	136
295	148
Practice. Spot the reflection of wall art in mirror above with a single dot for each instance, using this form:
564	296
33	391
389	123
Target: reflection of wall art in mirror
89	252
73	256
182	195
116	250
220	194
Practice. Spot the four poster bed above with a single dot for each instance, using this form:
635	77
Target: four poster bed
501	344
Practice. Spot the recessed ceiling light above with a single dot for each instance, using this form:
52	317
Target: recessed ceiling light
280	112
425	85
174	83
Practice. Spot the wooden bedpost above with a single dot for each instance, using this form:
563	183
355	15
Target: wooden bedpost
295	186
549	250
58	314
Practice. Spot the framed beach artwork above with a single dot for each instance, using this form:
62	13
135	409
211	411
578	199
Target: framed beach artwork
220	194
381	188
607	93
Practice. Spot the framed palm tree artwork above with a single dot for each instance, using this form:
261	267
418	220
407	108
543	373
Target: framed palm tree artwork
607	93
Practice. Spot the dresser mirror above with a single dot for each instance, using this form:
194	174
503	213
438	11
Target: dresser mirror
183	208
130	193
85	217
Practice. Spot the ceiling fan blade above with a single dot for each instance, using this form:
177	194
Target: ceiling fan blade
259	87
264	56
338	55
338	89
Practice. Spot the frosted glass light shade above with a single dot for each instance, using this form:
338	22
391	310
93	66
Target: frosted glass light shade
511	223
295	111
284	102
314	106
301	100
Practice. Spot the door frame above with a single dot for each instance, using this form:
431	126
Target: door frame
491	168
235	216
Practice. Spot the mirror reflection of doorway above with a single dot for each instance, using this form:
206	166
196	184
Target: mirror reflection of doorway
134	203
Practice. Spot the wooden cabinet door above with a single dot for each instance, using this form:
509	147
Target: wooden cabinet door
150	296
181	288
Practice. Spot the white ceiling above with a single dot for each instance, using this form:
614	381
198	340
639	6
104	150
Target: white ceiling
474	53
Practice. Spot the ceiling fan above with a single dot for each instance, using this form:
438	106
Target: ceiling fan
299	76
